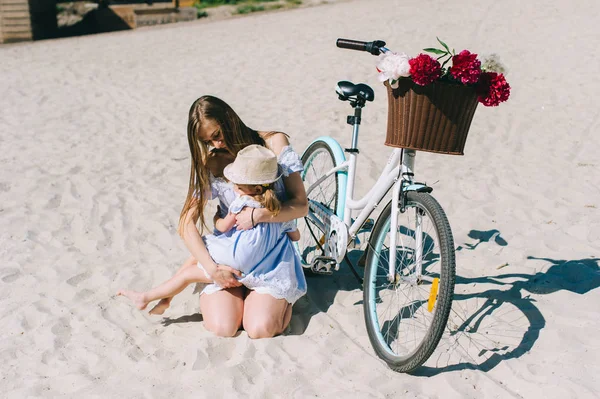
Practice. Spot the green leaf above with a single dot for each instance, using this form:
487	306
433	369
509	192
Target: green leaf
435	51
447	57
443	44
445	62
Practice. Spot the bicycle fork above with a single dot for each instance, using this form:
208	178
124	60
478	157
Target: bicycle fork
401	187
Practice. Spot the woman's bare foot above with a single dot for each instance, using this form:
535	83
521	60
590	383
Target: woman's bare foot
161	306
136	297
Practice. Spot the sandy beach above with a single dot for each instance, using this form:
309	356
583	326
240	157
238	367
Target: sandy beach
94	166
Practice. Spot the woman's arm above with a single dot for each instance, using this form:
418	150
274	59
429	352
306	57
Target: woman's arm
221	274
194	243
296	205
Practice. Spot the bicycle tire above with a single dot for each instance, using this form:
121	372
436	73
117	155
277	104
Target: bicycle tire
311	237
407	360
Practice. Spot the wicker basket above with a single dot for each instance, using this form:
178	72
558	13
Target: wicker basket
433	118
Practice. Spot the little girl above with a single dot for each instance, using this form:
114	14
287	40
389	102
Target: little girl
252	173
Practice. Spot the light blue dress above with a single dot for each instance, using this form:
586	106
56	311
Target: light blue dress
265	254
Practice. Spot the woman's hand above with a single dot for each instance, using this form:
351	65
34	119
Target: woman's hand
244	219
224	276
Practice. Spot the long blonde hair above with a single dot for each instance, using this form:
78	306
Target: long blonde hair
236	135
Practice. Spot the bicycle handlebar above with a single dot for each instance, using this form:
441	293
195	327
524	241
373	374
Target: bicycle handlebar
373	47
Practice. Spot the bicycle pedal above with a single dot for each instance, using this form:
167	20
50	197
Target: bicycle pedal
323	265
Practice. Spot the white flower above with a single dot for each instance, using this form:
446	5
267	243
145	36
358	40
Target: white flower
392	66
491	63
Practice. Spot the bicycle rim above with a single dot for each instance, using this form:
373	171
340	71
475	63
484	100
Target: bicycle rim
318	159
406	318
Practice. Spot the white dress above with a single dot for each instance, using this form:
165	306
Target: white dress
265	254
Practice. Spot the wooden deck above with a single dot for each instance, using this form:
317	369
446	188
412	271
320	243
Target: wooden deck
22	20
15	21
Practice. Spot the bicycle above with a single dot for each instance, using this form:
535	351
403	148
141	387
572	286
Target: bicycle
410	262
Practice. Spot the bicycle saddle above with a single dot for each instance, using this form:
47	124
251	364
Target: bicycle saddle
346	90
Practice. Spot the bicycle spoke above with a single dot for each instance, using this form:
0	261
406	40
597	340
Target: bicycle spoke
401	306
318	161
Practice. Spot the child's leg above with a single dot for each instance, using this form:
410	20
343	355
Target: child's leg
189	273
294	235
164	303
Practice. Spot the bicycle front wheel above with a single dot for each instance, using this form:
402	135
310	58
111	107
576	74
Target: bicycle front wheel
318	160
406	313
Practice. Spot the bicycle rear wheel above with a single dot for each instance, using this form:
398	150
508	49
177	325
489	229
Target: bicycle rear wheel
318	159
406	317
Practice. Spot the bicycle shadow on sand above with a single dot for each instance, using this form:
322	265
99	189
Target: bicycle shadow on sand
322	291
487	236
495	318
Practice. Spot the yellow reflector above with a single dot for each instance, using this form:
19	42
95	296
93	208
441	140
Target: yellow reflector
433	294
322	240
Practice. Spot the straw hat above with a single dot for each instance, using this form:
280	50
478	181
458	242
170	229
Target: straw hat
254	164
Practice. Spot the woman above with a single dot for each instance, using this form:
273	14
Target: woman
215	135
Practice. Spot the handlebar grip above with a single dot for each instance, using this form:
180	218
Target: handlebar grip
374	47
351	44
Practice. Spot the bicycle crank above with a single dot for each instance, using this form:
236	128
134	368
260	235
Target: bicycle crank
323	265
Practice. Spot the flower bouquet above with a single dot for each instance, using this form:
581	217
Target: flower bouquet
431	105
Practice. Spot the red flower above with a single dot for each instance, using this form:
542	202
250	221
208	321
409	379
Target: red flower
424	69
466	67
492	89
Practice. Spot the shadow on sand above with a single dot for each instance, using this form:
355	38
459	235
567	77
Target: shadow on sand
492	319
488	326
193	318
321	293
99	20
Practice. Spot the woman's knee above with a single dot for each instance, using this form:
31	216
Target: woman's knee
265	316
222	328
257	329
222	325
222	311
265	325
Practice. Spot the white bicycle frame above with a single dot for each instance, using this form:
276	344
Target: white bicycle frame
398	173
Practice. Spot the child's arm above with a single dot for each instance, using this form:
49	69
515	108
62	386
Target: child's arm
294	235
217	215
226	223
